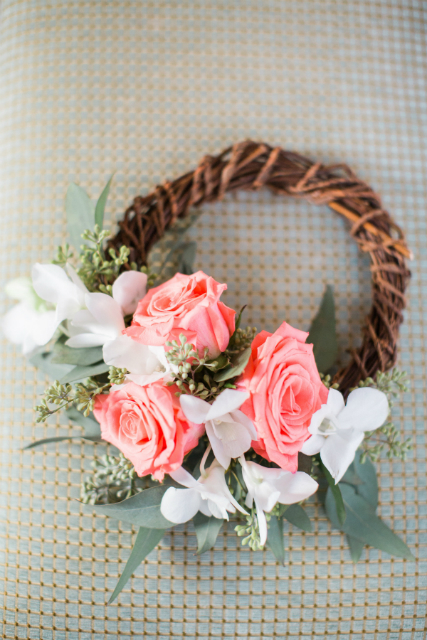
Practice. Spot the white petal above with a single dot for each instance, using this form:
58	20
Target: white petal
83	340
218	447
234	437
22	289
51	283
143	380
76	280
228	400
217	509
262	523
195	409
241	418
106	312
125	353
318	417
366	410
313	445
204	508
335	401
17	322
181	476
44	326
128	290
339	450
180	505
295	487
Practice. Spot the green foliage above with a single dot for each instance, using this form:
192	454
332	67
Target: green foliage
387	439
146	541
62	354
100	205
117	376
81	372
113	480
207	530
63	255
235	368
363	524
62	395
91	430
80	213
275	538
250	530
43	361
297	516
142	509
335	491
322	333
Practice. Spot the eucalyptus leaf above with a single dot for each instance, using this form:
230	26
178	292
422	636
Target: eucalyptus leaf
368	489
186	255
43	361
237	366
322	333
142	509
207	530
297	516
336	492
363	524
275	538
81	372
100	205
92	428
66	355
356	548
146	541
80	213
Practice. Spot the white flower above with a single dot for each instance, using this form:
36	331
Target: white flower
209	494
338	429
30	323
266	486
229	430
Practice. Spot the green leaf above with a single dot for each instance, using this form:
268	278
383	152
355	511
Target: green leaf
39	443
186	257
145	542
43	361
356	548
237	366
336	492
297	516
92	428
275	538
100	205
322	333
368	474
80	213
207	530
143	509
363	524
80	372
66	355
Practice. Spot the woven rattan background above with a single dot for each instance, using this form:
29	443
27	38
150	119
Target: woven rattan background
145	89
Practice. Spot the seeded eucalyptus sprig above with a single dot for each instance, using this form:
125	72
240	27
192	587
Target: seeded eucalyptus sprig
113	480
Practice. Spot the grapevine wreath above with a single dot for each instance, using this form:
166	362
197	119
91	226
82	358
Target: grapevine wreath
208	419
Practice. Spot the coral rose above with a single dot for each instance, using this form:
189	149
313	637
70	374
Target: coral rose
286	390
148	426
188	305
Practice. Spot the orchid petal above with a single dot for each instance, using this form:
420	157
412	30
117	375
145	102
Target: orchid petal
75	279
128	290
295	487
44	326
83	340
228	400
106	312
335	401
262	523
137	358
366	410
339	450
241	418
234	438
195	409
180	505
218	447
51	283
181	476
313	445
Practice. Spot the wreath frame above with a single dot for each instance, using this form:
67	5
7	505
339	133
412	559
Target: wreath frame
250	165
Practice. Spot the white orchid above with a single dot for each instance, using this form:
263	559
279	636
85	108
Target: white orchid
338	429
209	494
229	430
31	322
267	486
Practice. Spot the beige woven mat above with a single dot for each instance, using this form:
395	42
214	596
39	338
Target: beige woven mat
145	89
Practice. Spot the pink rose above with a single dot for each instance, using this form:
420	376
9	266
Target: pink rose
148	426
188	305
286	390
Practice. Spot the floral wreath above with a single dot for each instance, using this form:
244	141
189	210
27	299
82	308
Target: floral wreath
209	419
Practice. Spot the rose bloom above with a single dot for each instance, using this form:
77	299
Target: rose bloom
286	390
148	426
188	305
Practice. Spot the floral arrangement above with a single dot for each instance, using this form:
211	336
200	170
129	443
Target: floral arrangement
207	420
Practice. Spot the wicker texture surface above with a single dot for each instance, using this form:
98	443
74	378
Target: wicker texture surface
145	89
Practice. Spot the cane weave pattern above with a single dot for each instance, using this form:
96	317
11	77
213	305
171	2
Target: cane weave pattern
146	89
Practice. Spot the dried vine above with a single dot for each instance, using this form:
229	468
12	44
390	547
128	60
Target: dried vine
251	165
